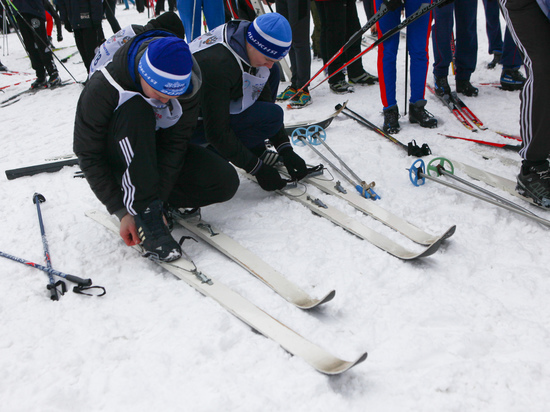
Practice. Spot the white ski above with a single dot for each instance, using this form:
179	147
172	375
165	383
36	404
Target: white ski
250	261
246	311
353	226
370	208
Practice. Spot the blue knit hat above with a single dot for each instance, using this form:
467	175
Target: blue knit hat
166	66
271	35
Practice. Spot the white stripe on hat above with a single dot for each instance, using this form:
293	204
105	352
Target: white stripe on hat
164	74
269	38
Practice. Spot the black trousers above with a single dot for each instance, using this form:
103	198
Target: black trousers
530	29
86	42
137	158
36	43
339	21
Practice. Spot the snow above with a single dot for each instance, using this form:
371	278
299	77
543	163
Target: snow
466	329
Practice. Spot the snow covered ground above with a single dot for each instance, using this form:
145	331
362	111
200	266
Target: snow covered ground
466	329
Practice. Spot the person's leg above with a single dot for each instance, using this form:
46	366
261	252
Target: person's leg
466	38
206	178
418	37
441	39
387	57
214	13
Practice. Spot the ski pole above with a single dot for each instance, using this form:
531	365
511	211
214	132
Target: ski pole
70	278
314	132
356	36
412	148
37	198
418	176
423	9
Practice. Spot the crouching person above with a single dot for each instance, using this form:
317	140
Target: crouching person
134	121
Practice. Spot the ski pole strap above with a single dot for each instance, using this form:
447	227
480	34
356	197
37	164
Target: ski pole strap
80	290
414	150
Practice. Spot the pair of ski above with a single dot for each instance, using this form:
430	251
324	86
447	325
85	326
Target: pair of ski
470	121
16	97
346	222
242	308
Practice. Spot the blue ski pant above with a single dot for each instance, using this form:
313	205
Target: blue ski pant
190	12
418	34
465	15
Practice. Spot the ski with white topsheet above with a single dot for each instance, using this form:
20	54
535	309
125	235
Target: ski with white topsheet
246	311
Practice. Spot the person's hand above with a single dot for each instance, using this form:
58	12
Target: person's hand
128	230
295	165
59	37
393	4
68	27
269	179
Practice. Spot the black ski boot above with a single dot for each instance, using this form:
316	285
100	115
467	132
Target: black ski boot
512	79
442	86
497	57
534	182
466	88
155	235
39	83
391	120
418	114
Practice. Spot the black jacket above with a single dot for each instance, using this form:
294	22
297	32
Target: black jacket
94	111
80	14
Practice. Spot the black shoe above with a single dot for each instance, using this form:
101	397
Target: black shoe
497	57
3	68
39	83
365	79
418	114
512	79
342	87
391	120
54	80
534	183
466	88
442	86
155	235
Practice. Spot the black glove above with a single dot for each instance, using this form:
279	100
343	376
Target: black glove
59	37
393	4
269	179
295	165
68	27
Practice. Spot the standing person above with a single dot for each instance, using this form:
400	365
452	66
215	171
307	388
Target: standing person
33	31
529	24
132	128
240	80
418	38
83	18
339	21
191	12
465	15
109	8
298	14
504	52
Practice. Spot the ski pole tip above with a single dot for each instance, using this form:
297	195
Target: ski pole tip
38	196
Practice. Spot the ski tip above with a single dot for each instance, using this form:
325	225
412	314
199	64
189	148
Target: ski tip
449	233
342	366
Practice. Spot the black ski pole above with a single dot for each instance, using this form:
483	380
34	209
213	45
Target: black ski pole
412	148
423	9
37	198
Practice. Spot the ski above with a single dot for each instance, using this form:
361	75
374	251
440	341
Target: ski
351	225
466	111
322	123
249	261
16	84
16	97
49	167
498	182
514	148
377	212
448	102
247	312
